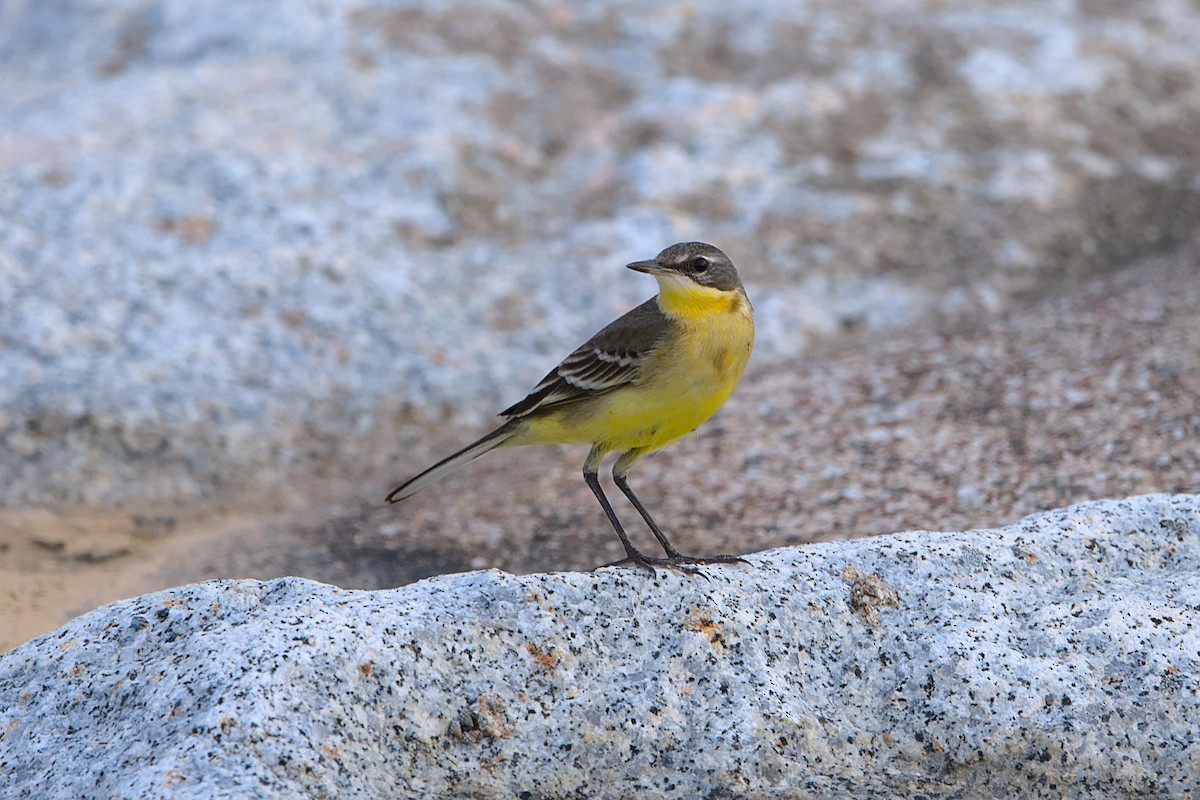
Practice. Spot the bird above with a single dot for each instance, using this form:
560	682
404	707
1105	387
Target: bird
651	376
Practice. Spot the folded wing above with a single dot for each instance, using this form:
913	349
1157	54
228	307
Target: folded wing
612	358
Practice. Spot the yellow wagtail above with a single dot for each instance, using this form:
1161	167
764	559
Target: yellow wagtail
646	379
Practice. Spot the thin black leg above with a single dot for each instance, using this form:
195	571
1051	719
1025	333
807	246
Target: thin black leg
674	557
632	554
622	483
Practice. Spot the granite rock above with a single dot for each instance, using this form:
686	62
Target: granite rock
242	245
1058	657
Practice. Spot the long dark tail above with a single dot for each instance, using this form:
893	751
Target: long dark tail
451	463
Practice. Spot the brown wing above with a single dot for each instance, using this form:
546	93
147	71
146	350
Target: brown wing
611	358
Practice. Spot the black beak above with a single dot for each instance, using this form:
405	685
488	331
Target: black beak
649	267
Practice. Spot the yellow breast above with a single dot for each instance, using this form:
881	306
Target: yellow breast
686	380
696	373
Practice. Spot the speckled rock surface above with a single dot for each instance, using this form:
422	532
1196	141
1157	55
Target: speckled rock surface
1058	657
238	246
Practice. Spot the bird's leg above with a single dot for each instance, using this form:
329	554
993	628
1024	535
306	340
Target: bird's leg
590	476
620	473
620	477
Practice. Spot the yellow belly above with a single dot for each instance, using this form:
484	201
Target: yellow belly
684	383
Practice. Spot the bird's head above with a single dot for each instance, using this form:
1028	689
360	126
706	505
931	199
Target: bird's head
692	262
694	277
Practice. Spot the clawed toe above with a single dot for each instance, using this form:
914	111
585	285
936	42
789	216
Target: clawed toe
648	563
675	561
679	558
638	561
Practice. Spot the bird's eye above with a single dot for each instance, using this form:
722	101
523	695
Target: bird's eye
700	264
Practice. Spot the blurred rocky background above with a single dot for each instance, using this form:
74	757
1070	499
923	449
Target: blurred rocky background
261	261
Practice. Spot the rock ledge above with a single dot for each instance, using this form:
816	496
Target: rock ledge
1056	657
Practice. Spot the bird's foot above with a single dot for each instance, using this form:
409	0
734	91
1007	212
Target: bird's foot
676	561
680	558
